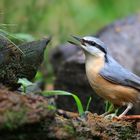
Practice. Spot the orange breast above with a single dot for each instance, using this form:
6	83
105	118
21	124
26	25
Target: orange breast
117	94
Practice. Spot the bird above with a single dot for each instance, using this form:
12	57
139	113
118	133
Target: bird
20	61
109	79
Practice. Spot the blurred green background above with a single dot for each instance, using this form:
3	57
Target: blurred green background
61	18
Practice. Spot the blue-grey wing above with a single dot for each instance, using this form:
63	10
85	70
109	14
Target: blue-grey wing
115	73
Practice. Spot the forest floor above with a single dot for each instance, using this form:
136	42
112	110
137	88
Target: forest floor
32	117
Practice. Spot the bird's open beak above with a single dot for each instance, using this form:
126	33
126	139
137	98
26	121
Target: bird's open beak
76	38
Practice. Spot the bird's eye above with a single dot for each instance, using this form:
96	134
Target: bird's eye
92	43
88	42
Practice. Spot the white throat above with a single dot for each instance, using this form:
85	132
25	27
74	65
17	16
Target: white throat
94	53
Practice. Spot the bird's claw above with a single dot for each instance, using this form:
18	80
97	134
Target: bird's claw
110	116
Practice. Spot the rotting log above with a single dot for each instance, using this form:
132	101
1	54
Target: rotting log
31	117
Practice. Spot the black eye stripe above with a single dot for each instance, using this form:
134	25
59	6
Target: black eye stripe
91	43
95	44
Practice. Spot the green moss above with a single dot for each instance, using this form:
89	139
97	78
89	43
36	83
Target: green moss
69	129
122	132
51	107
13	119
126	133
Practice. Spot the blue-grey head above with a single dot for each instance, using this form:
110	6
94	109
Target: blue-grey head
91	45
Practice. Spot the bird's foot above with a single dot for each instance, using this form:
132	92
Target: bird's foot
121	116
105	114
111	116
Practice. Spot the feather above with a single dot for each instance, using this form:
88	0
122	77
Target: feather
117	74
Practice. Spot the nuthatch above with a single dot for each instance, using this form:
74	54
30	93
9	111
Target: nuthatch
107	77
